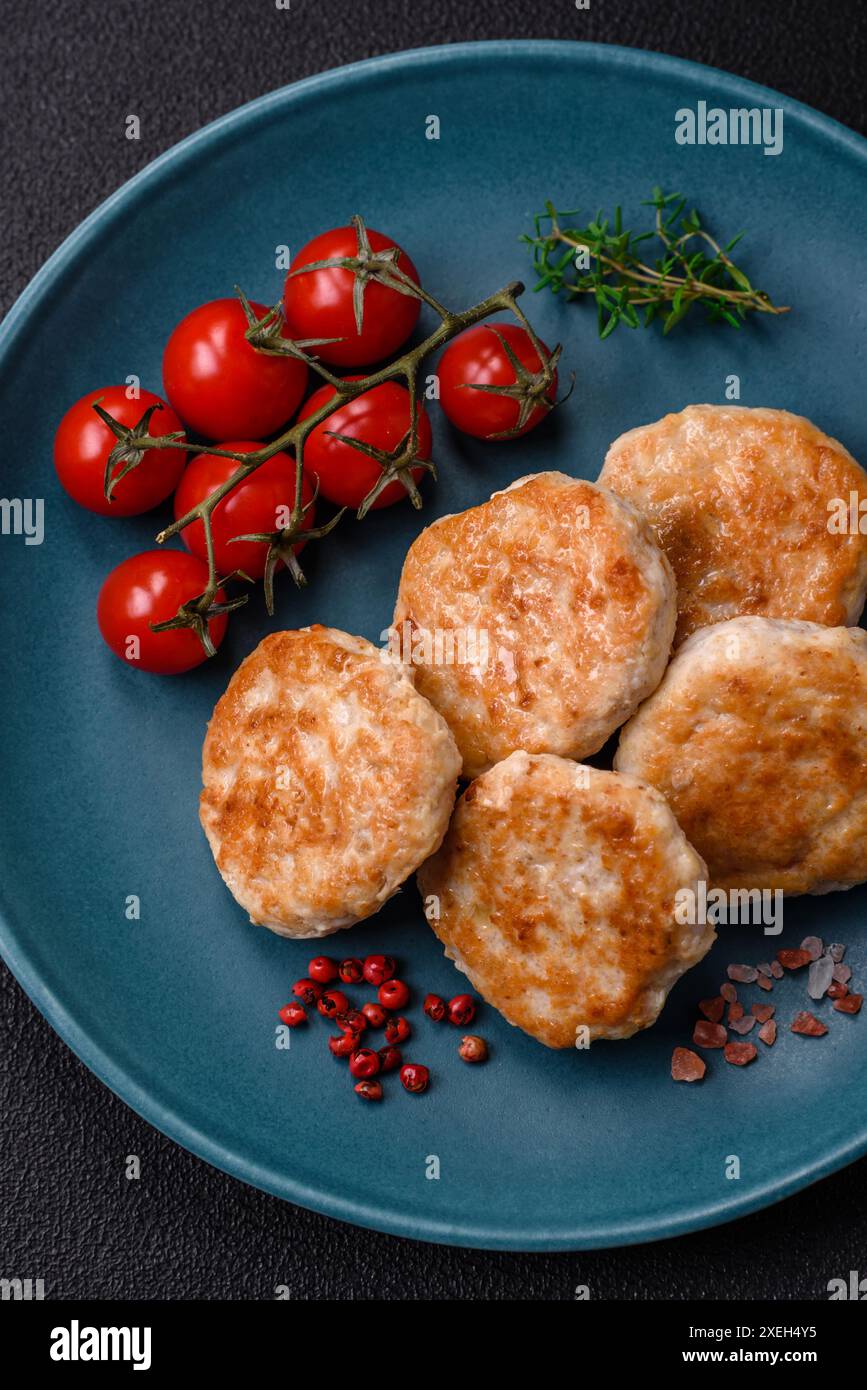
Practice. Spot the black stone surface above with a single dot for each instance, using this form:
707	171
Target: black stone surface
71	72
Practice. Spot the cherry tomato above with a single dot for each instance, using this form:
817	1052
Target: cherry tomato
261	503
83	443
477	357
380	417
219	384
149	588
319	303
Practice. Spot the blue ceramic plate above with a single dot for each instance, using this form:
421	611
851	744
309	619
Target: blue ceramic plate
176	1012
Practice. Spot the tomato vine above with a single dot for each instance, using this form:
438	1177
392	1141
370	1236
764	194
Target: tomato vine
265	335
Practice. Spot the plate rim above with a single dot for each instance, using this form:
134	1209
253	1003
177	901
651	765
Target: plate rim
82	1040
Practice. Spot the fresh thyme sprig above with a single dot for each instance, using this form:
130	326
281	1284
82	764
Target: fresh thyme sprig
602	259
266	336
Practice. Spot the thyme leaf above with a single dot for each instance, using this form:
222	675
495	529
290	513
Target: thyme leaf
602	259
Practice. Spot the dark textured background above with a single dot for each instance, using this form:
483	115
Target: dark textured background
67	1214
